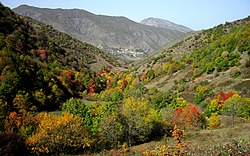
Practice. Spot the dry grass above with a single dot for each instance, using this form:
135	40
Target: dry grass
221	141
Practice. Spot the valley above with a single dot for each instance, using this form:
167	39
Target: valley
76	83
119	37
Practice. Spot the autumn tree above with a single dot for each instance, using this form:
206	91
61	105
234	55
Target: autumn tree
138	119
215	106
231	106
58	134
189	116
111	131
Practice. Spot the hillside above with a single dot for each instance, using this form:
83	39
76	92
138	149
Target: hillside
156	22
117	36
55	99
42	66
217	58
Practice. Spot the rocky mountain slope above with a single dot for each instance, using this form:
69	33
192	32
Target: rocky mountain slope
118	36
156	22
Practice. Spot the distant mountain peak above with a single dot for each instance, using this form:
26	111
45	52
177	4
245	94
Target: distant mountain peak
157	22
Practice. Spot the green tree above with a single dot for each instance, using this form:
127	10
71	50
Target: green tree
75	106
231	106
139	119
244	108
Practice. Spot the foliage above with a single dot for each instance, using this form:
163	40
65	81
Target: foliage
215	106
40	67
162	100
202	92
74	106
58	134
222	97
111	131
42	70
139	119
220	51
213	121
13	122
178	150
178	102
188	117
231	106
243	108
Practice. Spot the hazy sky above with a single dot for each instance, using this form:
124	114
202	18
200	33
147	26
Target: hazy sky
196	14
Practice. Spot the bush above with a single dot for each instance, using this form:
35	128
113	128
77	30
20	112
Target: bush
213	121
202	92
111	131
188	117
139	119
74	106
244	108
236	74
58	134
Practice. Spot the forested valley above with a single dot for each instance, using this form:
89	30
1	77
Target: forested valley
59	96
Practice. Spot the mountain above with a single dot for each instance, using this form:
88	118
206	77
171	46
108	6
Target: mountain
117	36
156	22
54	102
41	66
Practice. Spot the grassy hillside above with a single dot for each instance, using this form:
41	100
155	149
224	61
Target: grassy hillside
217	57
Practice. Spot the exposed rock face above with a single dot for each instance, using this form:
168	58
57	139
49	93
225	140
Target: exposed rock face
117	36
156	22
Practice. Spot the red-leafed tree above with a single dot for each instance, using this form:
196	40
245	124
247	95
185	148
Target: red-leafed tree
189	117
222	97
91	86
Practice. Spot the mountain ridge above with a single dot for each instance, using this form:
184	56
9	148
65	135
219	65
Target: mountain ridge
157	22
117	36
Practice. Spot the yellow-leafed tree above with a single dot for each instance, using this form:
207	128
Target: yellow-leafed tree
57	133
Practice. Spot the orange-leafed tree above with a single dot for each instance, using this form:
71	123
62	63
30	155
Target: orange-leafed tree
91	86
188	117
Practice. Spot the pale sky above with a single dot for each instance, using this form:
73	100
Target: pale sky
196	14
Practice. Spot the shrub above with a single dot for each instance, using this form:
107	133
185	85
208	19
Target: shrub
74	106
244	108
188	117
58	134
139	119
213	121
178	102
236	74
202	92
111	131
179	149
